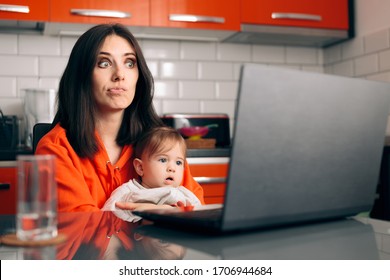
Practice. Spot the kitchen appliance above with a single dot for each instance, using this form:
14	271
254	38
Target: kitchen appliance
39	107
8	132
201	130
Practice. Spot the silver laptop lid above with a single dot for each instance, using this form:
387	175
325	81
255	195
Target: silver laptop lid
307	146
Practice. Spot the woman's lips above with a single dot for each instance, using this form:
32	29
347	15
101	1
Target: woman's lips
116	90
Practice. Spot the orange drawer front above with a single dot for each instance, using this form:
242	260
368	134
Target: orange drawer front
212	177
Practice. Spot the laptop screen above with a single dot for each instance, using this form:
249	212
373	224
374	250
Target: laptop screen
306	146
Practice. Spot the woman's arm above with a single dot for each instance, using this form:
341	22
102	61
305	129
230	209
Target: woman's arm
74	193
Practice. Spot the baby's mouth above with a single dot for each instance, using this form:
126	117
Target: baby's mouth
169	180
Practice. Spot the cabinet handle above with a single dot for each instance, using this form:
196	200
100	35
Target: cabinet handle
195	18
5	186
100	13
210	180
14	8
296	16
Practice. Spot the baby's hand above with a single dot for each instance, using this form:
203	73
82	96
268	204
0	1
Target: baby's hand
139	206
185	207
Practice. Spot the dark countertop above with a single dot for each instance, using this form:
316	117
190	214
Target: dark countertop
11	154
217	152
350	239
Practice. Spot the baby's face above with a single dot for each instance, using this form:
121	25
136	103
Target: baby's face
164	169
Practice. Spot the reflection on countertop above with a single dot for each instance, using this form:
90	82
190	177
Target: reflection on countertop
102	235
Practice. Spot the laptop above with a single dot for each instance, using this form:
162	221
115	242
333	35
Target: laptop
306	147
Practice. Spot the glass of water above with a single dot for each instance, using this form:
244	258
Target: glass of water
37	198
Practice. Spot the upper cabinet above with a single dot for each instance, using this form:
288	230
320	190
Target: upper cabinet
304	13
24	10
128	12
203	14
318	23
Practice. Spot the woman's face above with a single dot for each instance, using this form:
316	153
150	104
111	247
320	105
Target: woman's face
115	75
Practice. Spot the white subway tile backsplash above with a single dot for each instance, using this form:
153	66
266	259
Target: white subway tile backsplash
24	83
9	44
49	83
51	66
383	77
384	60
344	68
234	52
227	90
220	106
216	71
161	49
376	41
8	87
268	54
366	65
199	51
18	65
178	70
66	45
166	89
153	67
180	106
196	90
352	48
332	54
12	106
302	55
39	45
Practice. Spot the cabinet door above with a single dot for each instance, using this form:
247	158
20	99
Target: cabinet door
198	14
24	10
306	13
7	190
128	12
212	177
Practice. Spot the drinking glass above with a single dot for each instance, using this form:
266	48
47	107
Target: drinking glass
37	198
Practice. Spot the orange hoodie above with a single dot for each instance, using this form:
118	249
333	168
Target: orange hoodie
85	184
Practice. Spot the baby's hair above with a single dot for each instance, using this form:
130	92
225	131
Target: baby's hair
155	141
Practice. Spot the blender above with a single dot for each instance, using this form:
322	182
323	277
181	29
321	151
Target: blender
39	107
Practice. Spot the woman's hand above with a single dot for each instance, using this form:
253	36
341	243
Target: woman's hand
140	206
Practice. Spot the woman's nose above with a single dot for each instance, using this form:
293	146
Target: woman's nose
118	74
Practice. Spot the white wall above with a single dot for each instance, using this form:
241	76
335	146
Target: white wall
191	77
200	77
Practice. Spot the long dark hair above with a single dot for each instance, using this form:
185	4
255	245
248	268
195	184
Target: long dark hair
76	105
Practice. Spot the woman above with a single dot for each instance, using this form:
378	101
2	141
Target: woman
104	105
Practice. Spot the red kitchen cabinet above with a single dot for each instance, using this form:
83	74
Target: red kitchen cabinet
330	14
197	14
134	12
212	177
24	10
7	187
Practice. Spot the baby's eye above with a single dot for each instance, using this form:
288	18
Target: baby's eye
163	160
179	163
130	64
103	64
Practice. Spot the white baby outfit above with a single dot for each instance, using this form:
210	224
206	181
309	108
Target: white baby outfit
132	191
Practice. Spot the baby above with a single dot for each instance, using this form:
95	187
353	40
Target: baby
160	155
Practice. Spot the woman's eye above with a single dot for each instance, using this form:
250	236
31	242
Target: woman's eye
130	64
103	64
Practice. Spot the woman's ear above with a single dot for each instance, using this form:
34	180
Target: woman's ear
138	166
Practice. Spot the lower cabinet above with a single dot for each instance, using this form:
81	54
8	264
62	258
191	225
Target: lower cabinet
7	187
211	174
